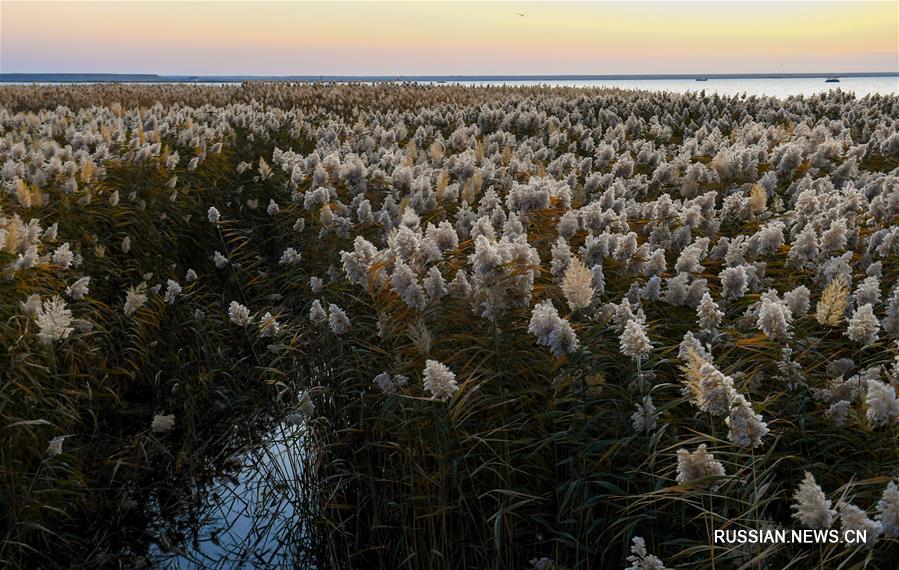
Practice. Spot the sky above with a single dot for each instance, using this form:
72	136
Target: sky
447	38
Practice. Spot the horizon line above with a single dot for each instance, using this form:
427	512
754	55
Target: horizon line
98	77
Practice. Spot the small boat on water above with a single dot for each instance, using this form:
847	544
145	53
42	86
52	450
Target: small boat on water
702	79
832	80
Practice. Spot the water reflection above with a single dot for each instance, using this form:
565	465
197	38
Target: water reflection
252	516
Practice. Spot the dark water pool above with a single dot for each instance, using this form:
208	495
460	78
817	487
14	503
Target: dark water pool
255	515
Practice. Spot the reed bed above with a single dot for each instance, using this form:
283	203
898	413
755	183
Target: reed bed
517	327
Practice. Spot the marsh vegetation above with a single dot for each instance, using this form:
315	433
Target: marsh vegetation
489	327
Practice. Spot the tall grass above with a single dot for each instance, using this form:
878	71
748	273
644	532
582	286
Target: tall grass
536	455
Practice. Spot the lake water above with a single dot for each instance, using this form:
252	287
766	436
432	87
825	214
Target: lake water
251	517
776	87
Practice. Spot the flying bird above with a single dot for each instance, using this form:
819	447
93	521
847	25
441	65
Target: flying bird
519	14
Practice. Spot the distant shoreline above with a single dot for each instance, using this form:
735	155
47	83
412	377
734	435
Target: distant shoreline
153	78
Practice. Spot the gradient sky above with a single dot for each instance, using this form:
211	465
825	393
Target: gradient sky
440	38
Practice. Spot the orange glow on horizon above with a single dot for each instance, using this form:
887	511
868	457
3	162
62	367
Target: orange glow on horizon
442	38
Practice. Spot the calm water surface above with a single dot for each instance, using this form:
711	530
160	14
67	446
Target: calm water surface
779	87
776	87
253	516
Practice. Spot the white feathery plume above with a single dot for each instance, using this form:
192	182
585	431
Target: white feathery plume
317	313
135	298
551	330
888	510
269	325
633	342
162	423
172	290
716	390
53	320
863	325
645	417
577	285
641	559
337	320
853	518
707	314
239	314
439	381
697	465
813	508
881	402
79	288
746	427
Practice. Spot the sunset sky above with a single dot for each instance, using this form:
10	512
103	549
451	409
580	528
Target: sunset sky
440	38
